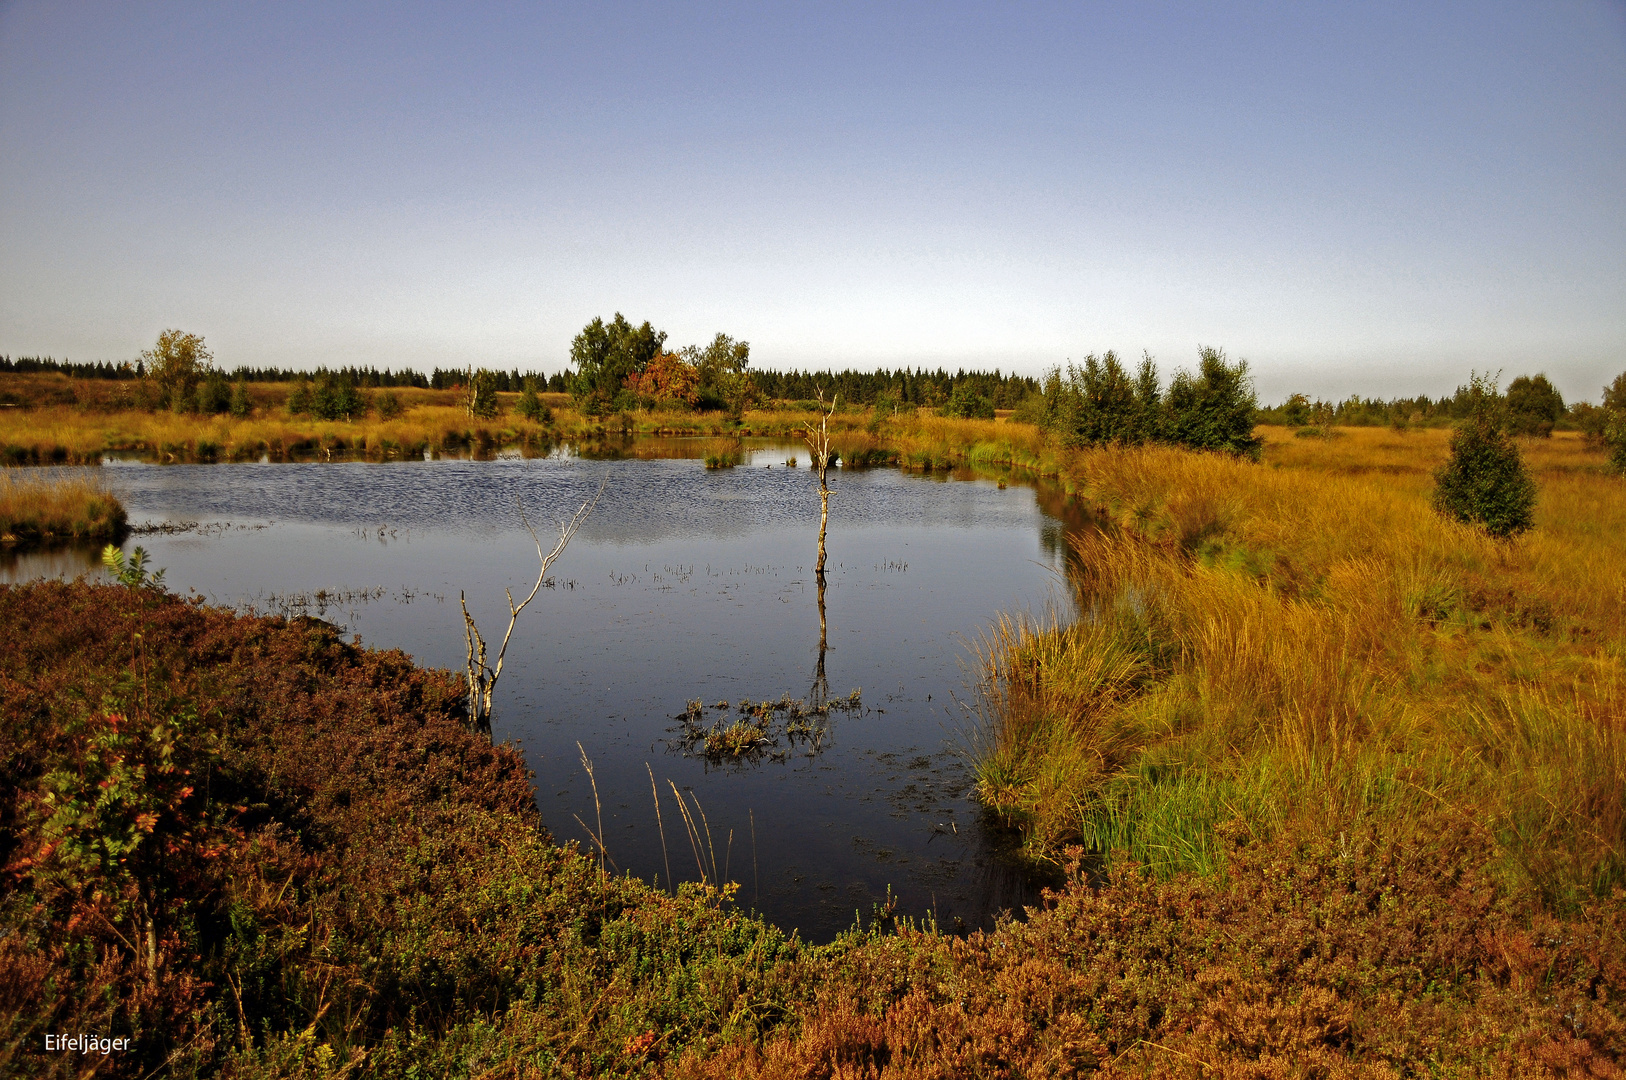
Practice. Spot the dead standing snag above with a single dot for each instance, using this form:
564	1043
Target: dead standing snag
482	680
818	442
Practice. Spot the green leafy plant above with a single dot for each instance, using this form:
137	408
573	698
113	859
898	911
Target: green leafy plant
1214	409
131	570
1534	405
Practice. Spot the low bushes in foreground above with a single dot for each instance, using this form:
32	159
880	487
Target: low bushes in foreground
257	850
57	506
261	851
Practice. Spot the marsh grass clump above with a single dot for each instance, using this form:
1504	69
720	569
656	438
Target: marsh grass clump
724	454
751	730
57	506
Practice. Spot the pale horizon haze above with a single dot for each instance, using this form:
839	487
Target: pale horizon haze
1356	198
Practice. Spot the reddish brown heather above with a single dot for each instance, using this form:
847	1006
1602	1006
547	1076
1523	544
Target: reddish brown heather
1348	957
349	883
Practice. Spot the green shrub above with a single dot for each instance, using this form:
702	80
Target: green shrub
1485	482
388	404
531	408
1533	405
336	398
481	402
240	405
213	394
966	404
299	401
1214	409
1614	438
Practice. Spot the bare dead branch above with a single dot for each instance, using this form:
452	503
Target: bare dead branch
482	679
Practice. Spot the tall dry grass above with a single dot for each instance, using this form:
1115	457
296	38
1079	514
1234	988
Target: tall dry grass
57	505
1303	644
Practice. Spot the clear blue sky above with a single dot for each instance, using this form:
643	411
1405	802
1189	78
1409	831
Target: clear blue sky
1356	198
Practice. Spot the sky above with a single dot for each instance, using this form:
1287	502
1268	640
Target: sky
1356	198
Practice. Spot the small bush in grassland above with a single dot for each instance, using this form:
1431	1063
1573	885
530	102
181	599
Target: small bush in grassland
1485	482
60	506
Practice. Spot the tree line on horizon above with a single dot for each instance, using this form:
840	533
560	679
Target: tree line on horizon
607	355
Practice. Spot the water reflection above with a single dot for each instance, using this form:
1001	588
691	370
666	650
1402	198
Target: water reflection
685	584
67	562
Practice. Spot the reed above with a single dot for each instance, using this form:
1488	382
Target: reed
1303	645
57	506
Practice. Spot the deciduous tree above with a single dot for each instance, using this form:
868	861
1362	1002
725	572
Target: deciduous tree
176	364
1533	405
605	354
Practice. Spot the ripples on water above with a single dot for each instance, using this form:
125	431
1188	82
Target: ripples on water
685	583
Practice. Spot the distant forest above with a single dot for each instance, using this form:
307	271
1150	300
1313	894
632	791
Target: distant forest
911	387
903	386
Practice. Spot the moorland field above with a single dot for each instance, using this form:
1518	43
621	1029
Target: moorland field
1329	784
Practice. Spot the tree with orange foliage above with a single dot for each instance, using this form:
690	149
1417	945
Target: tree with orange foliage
667	378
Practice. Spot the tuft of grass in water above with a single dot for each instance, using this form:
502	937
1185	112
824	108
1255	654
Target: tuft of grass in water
37	507
724	454
1304	645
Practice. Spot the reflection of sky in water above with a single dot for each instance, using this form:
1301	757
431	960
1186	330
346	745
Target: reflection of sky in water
640	505
686	583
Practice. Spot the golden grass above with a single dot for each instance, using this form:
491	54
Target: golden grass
57	506
1302	643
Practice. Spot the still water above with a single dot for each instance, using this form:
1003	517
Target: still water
684	584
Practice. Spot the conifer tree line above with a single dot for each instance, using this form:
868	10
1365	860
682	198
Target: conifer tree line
1100	402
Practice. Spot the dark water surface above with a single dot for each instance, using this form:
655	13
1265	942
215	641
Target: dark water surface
684	584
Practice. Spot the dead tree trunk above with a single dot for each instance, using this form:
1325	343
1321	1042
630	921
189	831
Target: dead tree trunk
818	442
482	679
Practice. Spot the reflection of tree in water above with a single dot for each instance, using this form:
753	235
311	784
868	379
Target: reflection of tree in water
766	730
821	685
1065	518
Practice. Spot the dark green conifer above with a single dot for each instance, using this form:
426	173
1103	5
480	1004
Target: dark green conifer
1485	482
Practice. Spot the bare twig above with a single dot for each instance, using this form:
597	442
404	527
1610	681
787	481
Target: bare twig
482	679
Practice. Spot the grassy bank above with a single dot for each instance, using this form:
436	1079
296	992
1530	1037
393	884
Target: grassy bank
54	420
40	509
260	851
1305	647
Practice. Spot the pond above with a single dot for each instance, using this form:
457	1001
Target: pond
685	584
